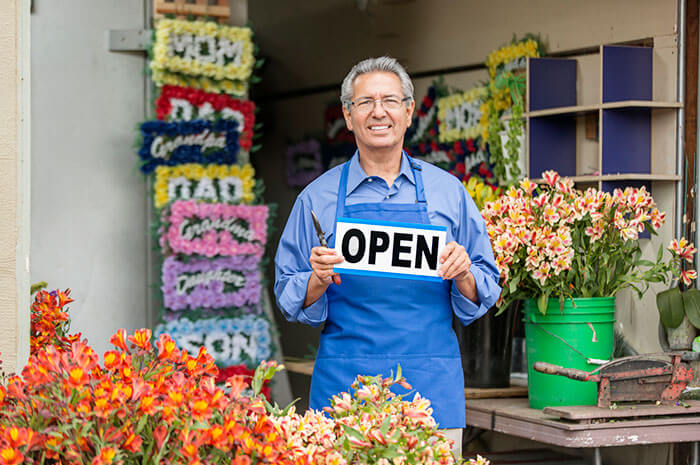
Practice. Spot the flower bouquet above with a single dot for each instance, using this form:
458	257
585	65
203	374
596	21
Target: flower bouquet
554	241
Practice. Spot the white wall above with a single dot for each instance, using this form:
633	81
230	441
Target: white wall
88	200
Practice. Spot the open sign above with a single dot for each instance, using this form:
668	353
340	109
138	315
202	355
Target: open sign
389	249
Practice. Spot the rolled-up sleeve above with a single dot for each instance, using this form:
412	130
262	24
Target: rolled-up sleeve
292	269
471	233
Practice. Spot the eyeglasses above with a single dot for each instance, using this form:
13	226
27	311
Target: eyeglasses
366	105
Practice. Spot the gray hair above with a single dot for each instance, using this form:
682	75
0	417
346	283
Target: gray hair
381	64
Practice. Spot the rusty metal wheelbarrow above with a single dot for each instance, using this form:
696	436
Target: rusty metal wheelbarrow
648	377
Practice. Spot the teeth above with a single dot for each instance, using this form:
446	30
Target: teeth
378	128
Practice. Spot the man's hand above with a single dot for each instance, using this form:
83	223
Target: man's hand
455	264
322	260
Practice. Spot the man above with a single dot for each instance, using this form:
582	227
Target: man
374	324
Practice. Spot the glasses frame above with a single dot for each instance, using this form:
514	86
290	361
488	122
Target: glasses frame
375	100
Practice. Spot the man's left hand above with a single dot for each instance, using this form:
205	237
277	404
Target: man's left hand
455	262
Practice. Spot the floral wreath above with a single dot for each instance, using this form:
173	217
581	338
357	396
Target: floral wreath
184	103
459	115
211	284
335	129
214	229
462	158
230	341
182	142
424	125
513	56
216	183
303	162
205	55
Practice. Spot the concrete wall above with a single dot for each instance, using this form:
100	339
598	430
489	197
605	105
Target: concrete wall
88	199
14	187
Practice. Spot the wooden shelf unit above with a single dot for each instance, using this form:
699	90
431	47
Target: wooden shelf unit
625	117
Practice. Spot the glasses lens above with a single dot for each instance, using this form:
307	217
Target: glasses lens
391	103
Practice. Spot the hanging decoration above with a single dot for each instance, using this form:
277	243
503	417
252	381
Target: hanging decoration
186	104
513	57
424	126
214	183
204	55
231	282
181	142
335	129
231	341
459	115
214	229
303	161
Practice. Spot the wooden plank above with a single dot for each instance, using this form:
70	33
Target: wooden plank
181	9
584	412
483	393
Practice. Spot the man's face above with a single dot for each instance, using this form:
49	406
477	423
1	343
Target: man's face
374	126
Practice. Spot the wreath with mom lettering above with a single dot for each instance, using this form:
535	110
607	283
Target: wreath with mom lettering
205	55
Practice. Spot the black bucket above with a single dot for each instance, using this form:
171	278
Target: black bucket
486	347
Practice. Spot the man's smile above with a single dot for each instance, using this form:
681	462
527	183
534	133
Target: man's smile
379	127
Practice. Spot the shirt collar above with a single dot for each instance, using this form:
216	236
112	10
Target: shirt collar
356	174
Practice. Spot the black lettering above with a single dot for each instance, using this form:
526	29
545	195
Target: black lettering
431	254
399	249
350	258
375	246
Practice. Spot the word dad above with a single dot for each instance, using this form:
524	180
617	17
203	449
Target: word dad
389	249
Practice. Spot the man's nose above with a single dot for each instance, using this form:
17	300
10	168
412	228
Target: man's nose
378	109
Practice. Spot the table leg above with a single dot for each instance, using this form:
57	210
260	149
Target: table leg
597	458
695	453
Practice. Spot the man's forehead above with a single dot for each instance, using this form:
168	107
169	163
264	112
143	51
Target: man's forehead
382	82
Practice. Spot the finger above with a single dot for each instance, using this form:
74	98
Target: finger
457	267
455	254
320	250
447	251
327	259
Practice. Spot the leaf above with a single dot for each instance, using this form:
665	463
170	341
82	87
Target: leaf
385	425
398	372
513	285
670	306
691	304
350	431
542	302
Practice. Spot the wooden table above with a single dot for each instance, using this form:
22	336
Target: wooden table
589	427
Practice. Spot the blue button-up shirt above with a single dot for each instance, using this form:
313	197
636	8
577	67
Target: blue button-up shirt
449	205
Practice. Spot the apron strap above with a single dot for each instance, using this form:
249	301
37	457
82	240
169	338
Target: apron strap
343	185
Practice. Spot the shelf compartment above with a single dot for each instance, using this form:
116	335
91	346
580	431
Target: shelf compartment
551	83
626	139
552	145
627	73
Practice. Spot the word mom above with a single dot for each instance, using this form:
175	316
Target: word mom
389	249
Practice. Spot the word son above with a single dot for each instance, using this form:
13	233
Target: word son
401	250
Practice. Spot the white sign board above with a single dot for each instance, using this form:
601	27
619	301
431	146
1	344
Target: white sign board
389	249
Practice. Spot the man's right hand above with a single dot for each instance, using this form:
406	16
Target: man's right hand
322	260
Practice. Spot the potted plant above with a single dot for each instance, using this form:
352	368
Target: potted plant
566	253
679	310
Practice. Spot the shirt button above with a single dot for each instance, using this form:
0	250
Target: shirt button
387	197
369	180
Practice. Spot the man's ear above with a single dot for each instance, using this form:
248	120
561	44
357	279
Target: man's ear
346	115
409	112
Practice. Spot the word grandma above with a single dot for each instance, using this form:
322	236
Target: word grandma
191	228
389	249
162	147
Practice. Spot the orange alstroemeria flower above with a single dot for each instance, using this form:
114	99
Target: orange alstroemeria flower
118	340
141	339
10	456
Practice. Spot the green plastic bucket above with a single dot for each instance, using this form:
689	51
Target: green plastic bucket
582	330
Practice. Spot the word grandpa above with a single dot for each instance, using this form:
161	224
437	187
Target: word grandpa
187	282
384	248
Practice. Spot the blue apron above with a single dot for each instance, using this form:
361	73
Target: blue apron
375	324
